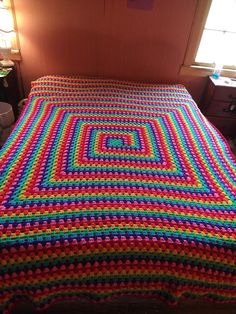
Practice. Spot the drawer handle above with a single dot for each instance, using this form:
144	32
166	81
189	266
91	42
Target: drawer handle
5	83
231	108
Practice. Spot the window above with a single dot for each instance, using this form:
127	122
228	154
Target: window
213	38
218	42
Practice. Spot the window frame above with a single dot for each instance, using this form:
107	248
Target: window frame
190	66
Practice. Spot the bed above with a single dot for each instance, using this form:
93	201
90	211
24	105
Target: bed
111	188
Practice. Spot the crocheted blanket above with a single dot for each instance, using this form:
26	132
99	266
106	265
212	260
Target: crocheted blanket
112	188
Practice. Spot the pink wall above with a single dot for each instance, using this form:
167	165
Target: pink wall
105	38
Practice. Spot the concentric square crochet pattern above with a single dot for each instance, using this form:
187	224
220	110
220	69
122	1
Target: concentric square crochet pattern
112	188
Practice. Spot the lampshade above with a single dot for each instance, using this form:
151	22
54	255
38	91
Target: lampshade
6	35
6	21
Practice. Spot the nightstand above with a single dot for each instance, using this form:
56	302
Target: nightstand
219	104
9	91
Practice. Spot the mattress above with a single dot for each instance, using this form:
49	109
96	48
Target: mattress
110	188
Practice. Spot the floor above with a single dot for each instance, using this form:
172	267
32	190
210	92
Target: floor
130	306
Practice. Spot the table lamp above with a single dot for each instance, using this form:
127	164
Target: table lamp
6	35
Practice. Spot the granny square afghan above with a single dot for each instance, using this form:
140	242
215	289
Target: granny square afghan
111	188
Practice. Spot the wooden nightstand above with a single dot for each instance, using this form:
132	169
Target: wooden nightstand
9	91
219	105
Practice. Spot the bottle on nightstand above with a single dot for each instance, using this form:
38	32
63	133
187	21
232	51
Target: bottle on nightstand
217	70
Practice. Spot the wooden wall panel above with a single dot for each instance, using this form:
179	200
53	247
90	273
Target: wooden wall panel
106	38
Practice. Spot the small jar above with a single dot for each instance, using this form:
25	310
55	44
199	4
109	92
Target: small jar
217	70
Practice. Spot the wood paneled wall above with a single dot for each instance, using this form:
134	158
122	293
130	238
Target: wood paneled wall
105	38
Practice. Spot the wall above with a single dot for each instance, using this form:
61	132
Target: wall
105	38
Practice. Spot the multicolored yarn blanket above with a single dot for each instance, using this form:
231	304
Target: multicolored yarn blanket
111	188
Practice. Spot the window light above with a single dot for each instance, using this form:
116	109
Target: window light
218	42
